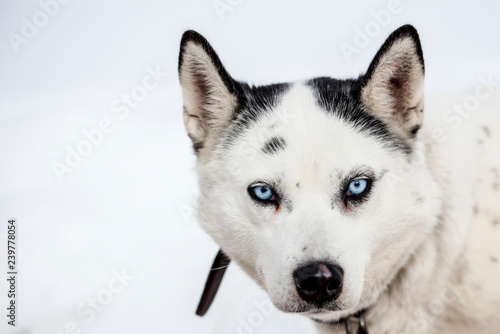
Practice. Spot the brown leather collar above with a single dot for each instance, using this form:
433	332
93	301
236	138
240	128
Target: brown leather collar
221	262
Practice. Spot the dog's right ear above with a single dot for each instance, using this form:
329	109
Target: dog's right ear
210	94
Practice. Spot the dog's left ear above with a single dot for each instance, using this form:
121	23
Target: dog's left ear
392	88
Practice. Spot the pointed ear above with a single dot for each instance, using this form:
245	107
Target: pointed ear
210	94
392	88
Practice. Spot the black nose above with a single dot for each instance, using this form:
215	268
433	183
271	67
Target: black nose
319	282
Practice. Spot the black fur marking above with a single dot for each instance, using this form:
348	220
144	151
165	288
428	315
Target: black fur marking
274	145
254	102
342	98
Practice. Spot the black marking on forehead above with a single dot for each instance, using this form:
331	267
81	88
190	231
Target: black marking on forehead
342	98
254	102
274	145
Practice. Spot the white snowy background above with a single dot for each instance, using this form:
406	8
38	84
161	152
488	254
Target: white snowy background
127	205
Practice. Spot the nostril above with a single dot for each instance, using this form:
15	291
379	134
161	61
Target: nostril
308	285
333	285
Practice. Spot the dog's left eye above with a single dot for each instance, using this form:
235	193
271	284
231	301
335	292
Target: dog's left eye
358	187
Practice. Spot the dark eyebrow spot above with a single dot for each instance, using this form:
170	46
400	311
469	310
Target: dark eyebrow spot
273	145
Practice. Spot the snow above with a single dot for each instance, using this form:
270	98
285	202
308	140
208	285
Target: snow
125	210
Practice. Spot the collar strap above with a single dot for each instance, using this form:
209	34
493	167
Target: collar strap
214	279
219	266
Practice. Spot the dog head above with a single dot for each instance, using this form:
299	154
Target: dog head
318	189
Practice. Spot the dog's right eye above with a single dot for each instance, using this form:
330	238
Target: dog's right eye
262	193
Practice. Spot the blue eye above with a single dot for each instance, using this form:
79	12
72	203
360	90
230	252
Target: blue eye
263	193
357	187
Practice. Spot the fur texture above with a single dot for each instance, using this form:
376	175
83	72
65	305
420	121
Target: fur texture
418	251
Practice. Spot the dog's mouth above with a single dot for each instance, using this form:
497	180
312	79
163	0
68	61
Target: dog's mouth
318	311
310	308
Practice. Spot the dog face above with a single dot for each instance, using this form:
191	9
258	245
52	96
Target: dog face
318	189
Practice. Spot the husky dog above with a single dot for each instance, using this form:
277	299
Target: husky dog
341	201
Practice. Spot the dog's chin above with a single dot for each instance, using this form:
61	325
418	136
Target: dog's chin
310	310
